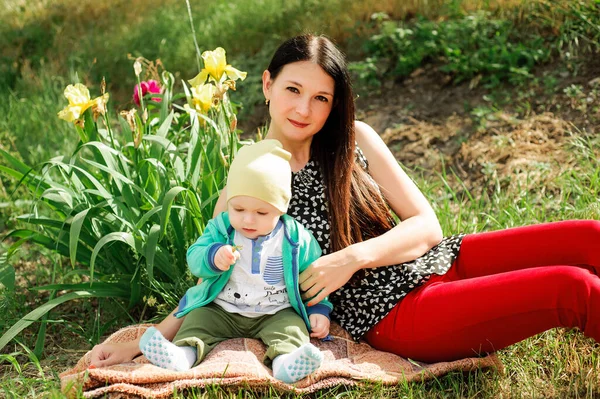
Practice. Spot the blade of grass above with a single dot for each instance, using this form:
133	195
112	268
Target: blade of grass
35	314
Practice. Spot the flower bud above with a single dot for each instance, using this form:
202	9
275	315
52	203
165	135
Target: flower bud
137	68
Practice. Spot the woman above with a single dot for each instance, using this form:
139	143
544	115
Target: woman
402	287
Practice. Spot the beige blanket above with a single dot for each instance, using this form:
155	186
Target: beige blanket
237	363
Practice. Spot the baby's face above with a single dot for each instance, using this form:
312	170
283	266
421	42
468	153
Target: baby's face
251	216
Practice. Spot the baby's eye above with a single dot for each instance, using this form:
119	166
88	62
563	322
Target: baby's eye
262	213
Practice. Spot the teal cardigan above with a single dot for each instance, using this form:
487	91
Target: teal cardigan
299	250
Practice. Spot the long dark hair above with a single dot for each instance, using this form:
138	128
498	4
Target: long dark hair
357	210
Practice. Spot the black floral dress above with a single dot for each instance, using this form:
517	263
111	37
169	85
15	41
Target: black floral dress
358	306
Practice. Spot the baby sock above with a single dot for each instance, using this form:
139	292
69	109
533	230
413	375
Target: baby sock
294	366
163	353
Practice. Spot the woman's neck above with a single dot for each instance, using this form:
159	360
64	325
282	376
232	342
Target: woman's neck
300	150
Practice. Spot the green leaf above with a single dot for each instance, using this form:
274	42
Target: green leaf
179	169
193	160
166	125
188	95
57	224
151	246
34	183
144	219
100	187
168	80
165	264
126	129
41	335
164	142
59	196
108	154
19	166
40	311
130	199
166	207
179	240
119	289
89	126
7	273
74	233
210	121
135	289
120	177
209	200
125	237
53	244
155	175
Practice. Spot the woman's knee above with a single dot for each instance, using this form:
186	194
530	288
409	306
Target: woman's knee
590	233
576	287
590	229
582	239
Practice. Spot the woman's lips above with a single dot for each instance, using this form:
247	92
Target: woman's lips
298	124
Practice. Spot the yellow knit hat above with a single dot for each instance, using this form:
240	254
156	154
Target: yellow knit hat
262	170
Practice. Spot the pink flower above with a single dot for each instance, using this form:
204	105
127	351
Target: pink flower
151	86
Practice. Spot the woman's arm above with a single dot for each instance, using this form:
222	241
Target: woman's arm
418	231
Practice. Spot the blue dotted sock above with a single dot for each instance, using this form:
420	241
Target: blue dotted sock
163	353
294	366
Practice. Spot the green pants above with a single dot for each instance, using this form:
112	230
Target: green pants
203	328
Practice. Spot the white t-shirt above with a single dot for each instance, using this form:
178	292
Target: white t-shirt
256	286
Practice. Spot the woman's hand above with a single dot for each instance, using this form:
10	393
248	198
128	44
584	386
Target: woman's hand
113	353
327	274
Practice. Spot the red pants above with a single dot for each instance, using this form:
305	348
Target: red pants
504	286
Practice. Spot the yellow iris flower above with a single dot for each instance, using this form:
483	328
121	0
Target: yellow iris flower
215	66
79	101
202	97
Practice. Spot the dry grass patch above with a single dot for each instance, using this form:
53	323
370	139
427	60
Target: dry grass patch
513	153
531	152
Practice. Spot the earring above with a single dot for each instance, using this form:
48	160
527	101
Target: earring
267	102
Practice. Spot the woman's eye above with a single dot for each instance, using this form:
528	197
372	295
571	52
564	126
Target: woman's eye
322	99
293	89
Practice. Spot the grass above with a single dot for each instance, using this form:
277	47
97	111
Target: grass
30	379
557	363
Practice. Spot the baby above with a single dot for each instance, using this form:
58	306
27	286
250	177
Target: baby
249	259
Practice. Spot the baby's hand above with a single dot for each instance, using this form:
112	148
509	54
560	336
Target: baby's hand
225	257
319	325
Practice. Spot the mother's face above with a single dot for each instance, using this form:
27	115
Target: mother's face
301	98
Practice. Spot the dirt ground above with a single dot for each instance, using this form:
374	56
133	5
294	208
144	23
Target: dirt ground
430	124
